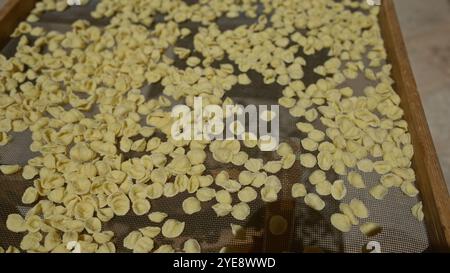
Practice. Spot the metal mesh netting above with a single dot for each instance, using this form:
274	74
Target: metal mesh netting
307	228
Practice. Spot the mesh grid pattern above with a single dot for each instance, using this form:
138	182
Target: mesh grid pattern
307	228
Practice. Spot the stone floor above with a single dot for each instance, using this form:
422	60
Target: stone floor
426	28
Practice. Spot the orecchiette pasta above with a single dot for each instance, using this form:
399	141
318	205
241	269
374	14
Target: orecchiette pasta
191	205
191	246
157	217
172	228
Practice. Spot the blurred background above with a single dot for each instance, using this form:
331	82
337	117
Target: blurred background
426	30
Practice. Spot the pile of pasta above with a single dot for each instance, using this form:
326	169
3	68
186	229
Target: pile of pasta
80	180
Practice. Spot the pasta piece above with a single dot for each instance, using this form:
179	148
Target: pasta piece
155	191
359	209
409	189
278	225
191	246
16	223
143	245
131	239
157	217
30	196
222	209
141	206
308	160
247	195
314	201
205	194
370	229
223	197
417	211
246	177
365	165
150	232
379	192
172	228
323	188
338	190
240	211
164	249
9	169
341	222
29	172
298	190
317	176
191	205
345	209
355	179
273	166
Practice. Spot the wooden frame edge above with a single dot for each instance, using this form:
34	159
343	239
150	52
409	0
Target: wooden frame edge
11	14
430	179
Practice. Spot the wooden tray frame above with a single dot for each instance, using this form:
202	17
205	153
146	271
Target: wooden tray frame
430	180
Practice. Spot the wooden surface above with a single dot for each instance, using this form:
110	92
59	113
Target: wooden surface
11	14
430	180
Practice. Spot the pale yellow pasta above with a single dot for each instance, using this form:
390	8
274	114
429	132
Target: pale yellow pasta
273	166
246	177
172	228
379	192
409	189
9	169
359	209
309	144
323	188
247	195
317	176
93	225
223	196
205	194
308	160
417	211
191	205
356	180
391	180
313	201
16	223
259	180
338	190
240	211
29	172
164	249
103	237
157	217
196	156
131	239
345	209
150	231
365	165
298	190
191	246
222	209
269	194
278	225
143	245
155	191
119	203
341	222
141	206
30	195
370	229
81	152
254	165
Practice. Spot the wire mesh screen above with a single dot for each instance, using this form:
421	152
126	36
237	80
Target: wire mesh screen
308	229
